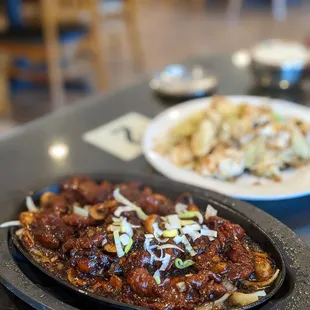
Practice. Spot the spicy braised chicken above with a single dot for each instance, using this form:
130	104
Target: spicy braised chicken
131	244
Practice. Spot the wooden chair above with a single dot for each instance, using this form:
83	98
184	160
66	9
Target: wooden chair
54	14
127	11
279	9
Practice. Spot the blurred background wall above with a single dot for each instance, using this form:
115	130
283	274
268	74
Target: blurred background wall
154	34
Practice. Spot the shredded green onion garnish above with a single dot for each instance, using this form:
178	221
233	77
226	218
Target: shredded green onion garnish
182	265
156	276
187	222
118	244
191	214
128	246
157	279
120	198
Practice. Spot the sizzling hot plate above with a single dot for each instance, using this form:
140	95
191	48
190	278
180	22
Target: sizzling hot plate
262	228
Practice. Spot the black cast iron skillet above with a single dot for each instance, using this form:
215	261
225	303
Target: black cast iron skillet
255	232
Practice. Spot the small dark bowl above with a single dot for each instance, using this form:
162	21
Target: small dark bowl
202	198
280	77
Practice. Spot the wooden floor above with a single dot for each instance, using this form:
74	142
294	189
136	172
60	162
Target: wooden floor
172	31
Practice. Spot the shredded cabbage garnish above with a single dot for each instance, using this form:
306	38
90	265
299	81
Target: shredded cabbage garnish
165	262
190	214
183	264
126	227
191	231
208	232
169	246
177	239
124	239
120	198
158	232
173	222
188	246
129	245
118	244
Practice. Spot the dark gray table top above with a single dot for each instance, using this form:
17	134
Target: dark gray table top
25	162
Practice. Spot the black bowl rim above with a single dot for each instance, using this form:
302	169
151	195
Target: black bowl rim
296	252
84	292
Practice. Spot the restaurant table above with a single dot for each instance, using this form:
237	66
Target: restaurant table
25	161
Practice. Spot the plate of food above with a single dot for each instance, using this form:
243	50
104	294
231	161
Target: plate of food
130	242
251	148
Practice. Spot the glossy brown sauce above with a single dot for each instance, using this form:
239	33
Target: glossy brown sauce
81	249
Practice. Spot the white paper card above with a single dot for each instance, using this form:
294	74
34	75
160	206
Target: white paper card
120	137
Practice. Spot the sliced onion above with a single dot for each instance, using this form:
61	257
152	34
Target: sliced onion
191	214
180	207
30	205
169	246
122	209
229	286
118	244
191	231
165	262
156	276
173	222
129	245
222	299
215	304
158	232
241	299
19	232
120	198
210	211
10	223
113	228
124	238
188	246
117	220
80	211
183	264
262	283
104	241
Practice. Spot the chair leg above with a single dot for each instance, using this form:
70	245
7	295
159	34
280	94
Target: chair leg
133	33
5	104
279	9
96	40
234	9
53	54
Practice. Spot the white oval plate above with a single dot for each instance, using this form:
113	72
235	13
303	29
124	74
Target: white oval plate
295	183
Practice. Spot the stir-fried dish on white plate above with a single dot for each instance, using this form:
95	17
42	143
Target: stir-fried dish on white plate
226	140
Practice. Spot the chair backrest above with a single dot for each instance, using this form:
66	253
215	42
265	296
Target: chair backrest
68	11
61	11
